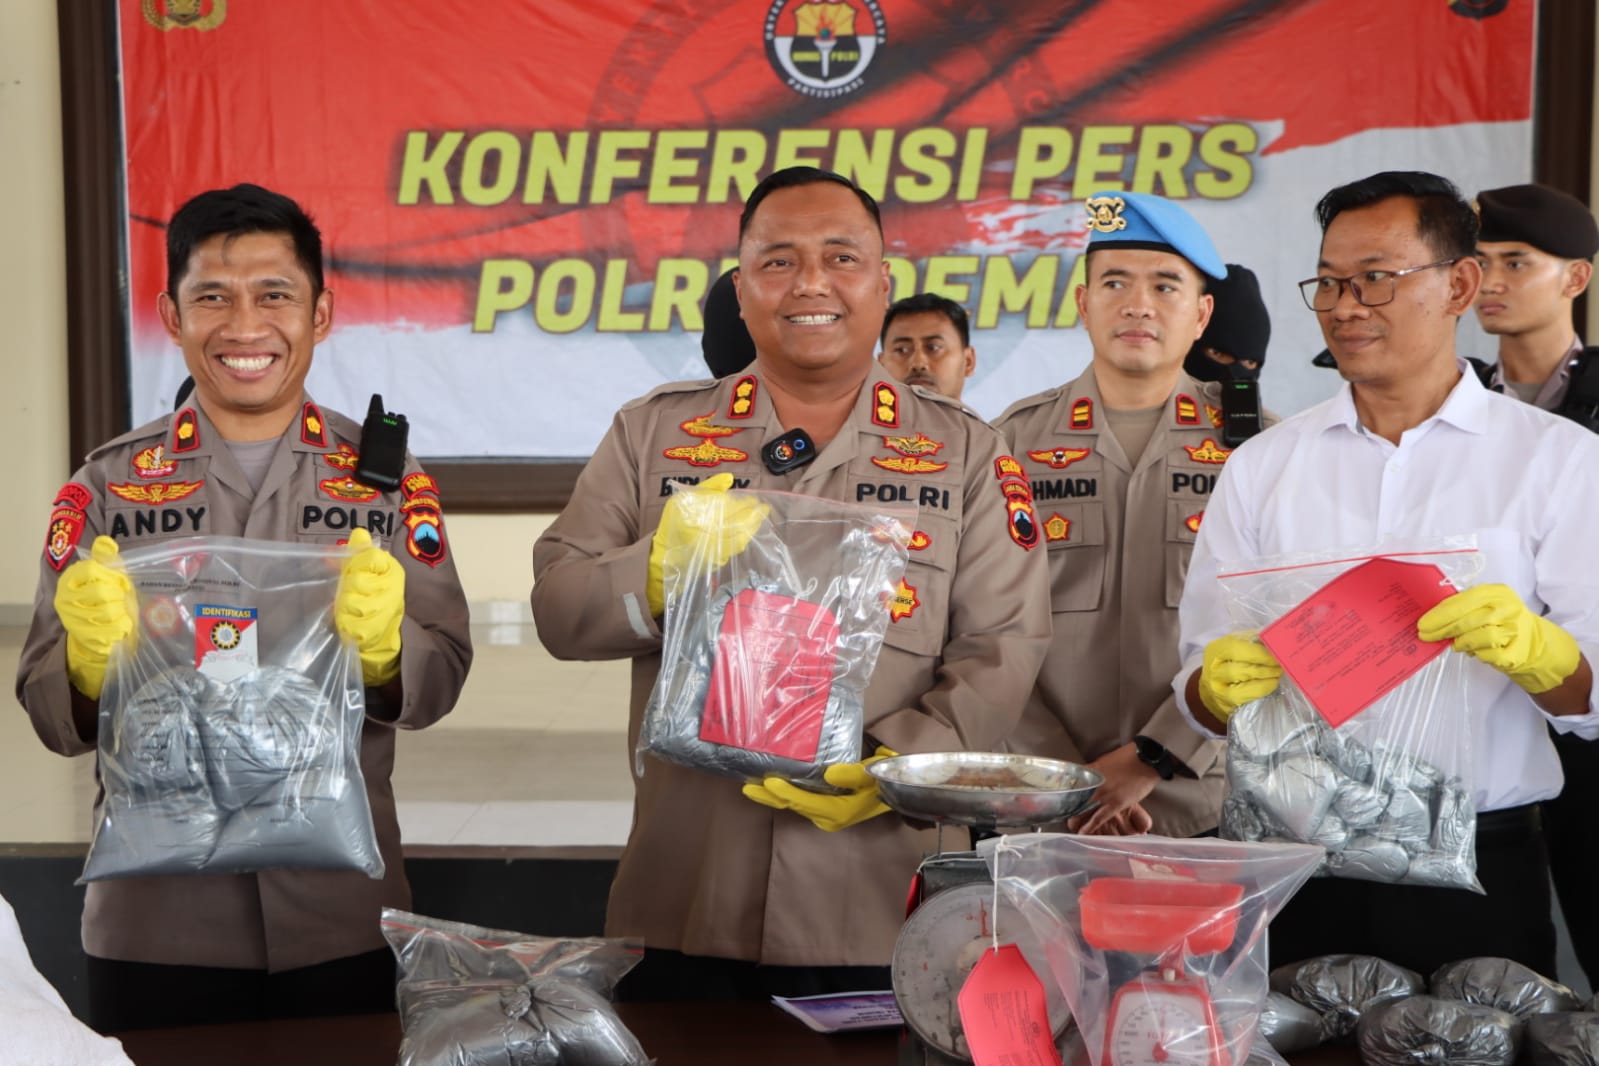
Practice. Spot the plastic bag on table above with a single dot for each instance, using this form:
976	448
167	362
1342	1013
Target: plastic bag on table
1386	790
230	726
1289	1025
1425	1030
1152	941
1341	988
470	996
1562	1039
1504	984
766	658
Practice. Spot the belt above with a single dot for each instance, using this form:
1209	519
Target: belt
1507	820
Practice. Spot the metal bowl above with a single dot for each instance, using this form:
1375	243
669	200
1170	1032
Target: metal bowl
984	788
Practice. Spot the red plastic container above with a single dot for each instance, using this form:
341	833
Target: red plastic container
1151	917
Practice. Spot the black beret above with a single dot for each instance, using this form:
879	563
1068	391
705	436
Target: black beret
1551	221
1239	324
725	342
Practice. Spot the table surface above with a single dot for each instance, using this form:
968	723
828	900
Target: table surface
676	1034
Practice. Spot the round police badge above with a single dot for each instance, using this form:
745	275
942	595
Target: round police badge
822	48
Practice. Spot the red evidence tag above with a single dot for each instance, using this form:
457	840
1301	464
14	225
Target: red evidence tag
1354	640
772	675
1004	1012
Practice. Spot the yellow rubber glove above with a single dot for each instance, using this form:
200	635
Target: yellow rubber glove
370	606
1491	623
1236	670
720	527
97	607
831	813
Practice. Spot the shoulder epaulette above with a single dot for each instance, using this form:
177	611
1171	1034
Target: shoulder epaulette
156	428
1027	403
669	388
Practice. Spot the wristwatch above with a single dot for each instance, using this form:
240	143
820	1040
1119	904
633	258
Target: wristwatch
1153	753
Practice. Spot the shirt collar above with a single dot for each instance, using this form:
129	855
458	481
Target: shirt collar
1466	407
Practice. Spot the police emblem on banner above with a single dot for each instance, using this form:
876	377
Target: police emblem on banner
822	48
185	14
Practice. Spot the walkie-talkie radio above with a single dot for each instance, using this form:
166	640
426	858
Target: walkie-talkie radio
383	437
1240	410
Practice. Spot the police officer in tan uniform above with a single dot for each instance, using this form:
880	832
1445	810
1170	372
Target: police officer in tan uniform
777	889
250	456
1121	462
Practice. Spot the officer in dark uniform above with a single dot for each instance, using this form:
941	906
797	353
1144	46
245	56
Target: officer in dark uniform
1536	251
1233	345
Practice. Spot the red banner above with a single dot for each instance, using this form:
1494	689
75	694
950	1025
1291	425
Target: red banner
524	202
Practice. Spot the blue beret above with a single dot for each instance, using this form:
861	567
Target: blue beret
1141	220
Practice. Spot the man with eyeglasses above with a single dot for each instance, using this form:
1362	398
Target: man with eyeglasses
1536	249
1414	446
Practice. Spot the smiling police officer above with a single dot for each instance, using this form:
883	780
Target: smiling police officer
250	455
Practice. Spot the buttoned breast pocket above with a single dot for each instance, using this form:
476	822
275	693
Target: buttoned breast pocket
918	609
1074	533
1183	518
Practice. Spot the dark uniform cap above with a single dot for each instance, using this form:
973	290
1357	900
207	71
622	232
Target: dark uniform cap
1142	220
1239	325
726	341
1551	221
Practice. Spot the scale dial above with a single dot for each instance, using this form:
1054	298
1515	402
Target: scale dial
1162	1023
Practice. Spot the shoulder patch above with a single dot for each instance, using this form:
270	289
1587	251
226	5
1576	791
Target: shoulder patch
66	529
73	494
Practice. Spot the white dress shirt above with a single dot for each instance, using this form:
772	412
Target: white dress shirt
1524	481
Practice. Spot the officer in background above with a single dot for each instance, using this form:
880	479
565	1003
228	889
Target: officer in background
777	889
1122	461
927	341
250	455
1233	346
1536	250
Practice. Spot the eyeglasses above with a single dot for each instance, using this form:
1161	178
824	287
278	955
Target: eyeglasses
1371	288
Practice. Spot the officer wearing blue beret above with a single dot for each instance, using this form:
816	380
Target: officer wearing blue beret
1122	461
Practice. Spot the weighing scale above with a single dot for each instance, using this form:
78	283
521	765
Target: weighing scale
1164	1016
951	907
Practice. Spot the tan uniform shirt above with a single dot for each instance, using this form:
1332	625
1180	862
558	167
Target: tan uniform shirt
1119	536
175	478
705	870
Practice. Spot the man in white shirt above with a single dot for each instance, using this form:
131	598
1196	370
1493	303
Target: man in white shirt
1414	446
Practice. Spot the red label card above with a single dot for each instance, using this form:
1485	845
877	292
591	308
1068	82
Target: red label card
1354	640
772	675
1004	1012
